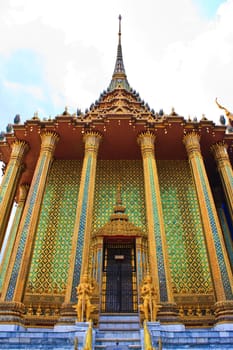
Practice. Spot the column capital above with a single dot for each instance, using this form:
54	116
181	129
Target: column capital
19	148
192	142
10	182
219	151
23	190
146	140
92	140
49	140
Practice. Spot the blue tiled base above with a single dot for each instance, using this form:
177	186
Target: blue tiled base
179	338
175	337
60	338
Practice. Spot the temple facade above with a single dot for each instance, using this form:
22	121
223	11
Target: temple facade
120	210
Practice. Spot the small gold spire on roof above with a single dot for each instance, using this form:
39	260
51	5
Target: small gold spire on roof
36	116
66	112
118	195
119	208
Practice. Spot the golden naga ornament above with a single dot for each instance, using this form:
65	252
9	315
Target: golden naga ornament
229	115
84	307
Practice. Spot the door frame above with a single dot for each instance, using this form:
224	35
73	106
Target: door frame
114	241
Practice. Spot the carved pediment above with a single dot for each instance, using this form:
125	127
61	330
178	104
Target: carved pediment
119	102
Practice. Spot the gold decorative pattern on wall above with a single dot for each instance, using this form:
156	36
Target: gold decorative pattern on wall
185	240
111	173
50	261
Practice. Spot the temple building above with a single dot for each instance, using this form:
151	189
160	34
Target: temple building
124	214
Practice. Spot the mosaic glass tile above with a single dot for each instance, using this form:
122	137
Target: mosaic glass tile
24	234
6	179
184	233
81	232
158	239
111	173
50	261
218	247
229	174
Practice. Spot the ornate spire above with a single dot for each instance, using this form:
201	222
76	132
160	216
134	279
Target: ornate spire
119	208
118	195
119	79
119	224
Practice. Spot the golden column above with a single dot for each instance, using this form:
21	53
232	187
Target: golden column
218	259
16	278
96	266
225	170
158	257
83	223
9	184
23	190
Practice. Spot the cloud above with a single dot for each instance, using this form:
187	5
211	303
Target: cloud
174	56
189	74
18	88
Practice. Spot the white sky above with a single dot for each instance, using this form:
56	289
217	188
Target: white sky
55	53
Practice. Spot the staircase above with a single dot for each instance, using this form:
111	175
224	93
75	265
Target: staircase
123	329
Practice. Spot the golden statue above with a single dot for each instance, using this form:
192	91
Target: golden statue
228	113
150	306
84	306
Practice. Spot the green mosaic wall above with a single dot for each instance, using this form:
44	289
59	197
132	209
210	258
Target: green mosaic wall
50	261
185	241
226	279
109	174
184	233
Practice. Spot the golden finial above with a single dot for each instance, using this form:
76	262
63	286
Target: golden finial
228	113
119	209
119	33
119	24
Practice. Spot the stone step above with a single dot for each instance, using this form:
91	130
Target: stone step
118	334
114	340
118	322
123	329
119	328
119	318
133	347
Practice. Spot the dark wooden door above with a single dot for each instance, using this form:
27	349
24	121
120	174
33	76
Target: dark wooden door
119	286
